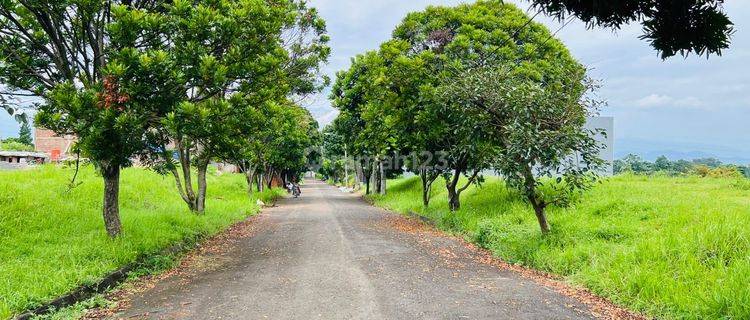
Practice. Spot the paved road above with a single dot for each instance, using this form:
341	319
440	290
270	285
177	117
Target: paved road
329	255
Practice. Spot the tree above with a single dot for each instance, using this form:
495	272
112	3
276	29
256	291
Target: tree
261	50
358	93
59	51
418	121
635	164
662	164
334	150
671	27
281	135
451	41
24	134
298	132
544	151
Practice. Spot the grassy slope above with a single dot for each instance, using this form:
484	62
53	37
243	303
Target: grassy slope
669	247
52	241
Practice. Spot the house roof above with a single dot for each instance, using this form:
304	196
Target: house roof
7	153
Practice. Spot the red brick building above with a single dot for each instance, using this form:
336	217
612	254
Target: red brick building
57	147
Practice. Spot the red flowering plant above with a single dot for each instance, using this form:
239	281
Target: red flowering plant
111	97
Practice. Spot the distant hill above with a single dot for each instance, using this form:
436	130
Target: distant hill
651	149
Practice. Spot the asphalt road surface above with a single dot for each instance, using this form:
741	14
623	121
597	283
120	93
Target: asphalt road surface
330	255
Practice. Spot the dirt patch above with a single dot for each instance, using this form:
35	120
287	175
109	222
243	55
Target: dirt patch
407	225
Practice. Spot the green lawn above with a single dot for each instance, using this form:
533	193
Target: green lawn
668	247
52	240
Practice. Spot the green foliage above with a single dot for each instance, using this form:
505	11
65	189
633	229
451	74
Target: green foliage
697	26
24	134
705	167
473	87
537	128
14	145
278	140
24	142
58	52
111	118
390	99
53	240
681	256
332	170
719	172
234	61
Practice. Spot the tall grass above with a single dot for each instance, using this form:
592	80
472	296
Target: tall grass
53	240
668	247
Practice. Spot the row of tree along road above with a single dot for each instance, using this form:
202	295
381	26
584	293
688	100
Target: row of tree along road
173	84
482	85
477	87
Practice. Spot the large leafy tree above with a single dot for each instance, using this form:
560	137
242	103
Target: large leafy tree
544	150
454	39
45	43
59	54
670	26
422	128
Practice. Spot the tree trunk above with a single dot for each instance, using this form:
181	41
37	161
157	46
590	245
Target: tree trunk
425	196
184	154
367	179
249	178
260	182
360	174
111	205
200	201
185	183
346	169
539	205
374	178
382	177
427	180
541	216
454	197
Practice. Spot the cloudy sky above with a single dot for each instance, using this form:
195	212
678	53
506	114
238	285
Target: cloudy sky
682	107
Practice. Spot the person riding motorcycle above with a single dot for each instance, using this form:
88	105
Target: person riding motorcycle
296	190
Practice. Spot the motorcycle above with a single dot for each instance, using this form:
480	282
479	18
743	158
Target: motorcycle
296	192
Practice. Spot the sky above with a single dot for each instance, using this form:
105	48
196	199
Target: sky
682	107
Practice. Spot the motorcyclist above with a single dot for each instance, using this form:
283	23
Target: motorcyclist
296	190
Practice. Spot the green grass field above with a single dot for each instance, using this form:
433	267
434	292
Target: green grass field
667	247
52	240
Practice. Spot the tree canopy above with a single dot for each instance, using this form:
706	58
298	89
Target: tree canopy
137	79
671	27
421	94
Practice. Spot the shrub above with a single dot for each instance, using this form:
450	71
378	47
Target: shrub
719	172
15	146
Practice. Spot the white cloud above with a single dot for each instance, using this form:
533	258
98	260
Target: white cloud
660	101
327	118
654	100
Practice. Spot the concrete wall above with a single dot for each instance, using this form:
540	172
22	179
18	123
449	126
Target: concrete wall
608	153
